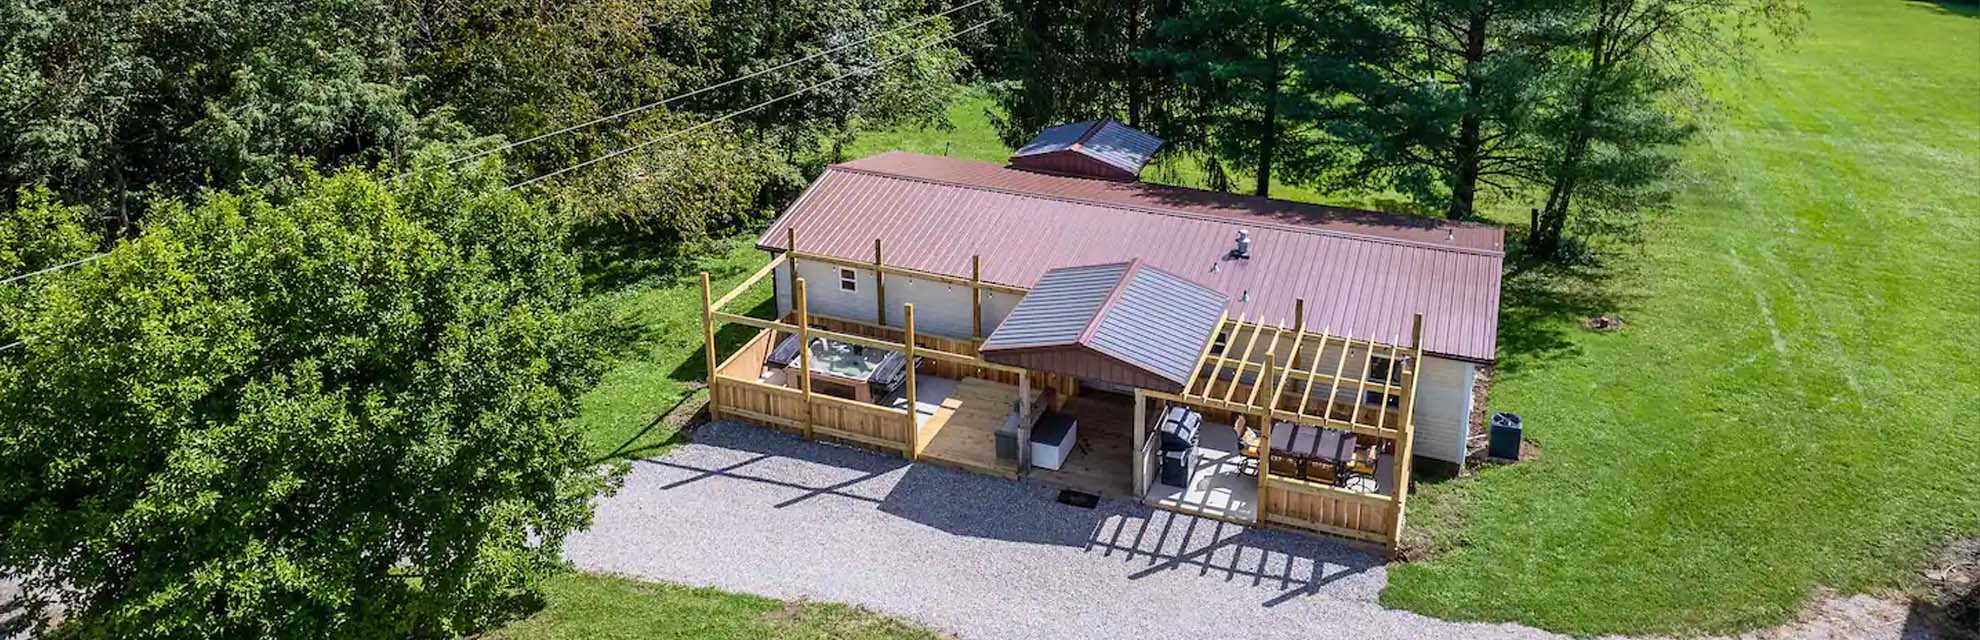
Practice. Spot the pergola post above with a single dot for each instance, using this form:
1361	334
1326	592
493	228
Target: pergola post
914	423
1406	438
708	339
1024	421
1265	437
1140	443
976	296
879	286
790	255
804	348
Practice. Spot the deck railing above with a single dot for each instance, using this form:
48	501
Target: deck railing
738	392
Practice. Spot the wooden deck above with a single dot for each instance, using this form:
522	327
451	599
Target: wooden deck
1103	463
963	431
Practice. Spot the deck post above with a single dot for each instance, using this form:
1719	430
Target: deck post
708	340
1406	439
790	256
914	423
1140	444
976	296
1265	437
804	347
879	286
1024	420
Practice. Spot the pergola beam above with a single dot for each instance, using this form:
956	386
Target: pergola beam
747	283
867	342
1203	356
1230	340
1250	346
912	273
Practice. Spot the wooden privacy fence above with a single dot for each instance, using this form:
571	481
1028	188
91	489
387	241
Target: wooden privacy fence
1318	507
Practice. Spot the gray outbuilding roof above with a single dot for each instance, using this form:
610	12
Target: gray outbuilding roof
1136	315
1103	149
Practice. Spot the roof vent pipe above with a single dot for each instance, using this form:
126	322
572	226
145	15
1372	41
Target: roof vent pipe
1243	249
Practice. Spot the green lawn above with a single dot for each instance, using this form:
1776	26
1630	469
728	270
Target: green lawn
592	607
652	310
1791	405
1793	402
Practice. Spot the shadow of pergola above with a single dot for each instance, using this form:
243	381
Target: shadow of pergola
1293	565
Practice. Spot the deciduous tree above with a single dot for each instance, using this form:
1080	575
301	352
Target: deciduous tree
332	408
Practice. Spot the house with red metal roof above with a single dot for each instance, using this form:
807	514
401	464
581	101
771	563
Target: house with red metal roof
1341	343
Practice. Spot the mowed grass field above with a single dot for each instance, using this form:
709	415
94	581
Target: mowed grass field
593	607
1792	405
1795	402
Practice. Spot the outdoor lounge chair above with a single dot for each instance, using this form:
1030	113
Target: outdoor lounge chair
785	353
890	374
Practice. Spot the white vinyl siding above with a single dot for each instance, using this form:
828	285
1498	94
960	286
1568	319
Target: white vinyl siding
1443	409
939	308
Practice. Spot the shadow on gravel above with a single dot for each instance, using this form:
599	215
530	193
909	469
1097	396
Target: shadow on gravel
966	504
1294	565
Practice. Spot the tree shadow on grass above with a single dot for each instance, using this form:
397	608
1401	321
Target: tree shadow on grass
1962	8
1541	304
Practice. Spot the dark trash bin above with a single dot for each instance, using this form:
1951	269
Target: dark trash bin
1177	466
1503	443
1007	439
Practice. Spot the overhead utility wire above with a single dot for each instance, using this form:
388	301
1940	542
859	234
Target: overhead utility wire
690	94
55	268
645	107
727	116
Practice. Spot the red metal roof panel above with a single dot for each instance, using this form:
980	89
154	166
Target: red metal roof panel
1360	272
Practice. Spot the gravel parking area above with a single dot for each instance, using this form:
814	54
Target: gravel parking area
753	510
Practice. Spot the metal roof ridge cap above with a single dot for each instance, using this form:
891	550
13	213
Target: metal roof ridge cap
1080	143
1107	304
1209	217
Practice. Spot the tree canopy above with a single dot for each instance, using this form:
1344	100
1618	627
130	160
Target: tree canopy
1570	106
332	407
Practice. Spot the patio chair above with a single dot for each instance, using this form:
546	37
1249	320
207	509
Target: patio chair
785	353
1247	438
890	375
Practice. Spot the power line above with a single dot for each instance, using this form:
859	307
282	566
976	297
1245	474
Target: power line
55	268
730	115
5	347
648	106
677	98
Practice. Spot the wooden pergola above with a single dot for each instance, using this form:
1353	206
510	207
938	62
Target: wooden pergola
1257	372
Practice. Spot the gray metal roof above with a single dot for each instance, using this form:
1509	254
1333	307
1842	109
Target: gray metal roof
1117	146
1059	308
1056	138
1159	322
1122	146
1142	316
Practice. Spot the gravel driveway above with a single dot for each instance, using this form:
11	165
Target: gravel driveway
753	510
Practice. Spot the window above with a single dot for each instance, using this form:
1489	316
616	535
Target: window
1385	371
848	280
